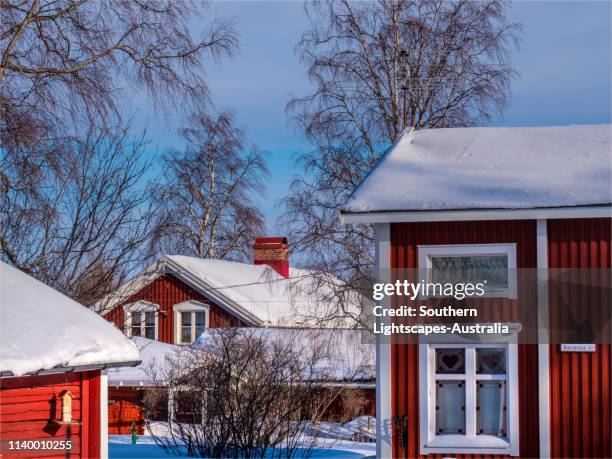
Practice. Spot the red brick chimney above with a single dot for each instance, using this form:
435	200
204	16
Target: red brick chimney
274	252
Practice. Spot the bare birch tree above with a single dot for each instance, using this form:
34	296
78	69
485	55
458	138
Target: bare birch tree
63	59
81	230
70	210
207	196
377	69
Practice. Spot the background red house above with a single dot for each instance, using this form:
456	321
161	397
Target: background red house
178	298
52	371
530	200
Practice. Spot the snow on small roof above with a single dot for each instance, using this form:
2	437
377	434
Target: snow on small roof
154	356
490	168
348	357
42	329
257	292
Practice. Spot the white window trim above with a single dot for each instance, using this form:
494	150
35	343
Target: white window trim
140	306
457	250
469	443
189	306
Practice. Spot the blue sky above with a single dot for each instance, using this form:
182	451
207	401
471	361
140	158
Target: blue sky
564	64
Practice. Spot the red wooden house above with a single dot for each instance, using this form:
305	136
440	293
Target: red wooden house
54	355
527	206
178	298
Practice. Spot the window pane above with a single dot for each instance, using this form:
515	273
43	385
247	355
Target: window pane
491	361
186	335
450	361
450	407
149	318
188	407
473	268
136	322
491	408
185	318
200	323
150	325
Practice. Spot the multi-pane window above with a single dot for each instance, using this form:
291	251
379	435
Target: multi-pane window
141	319
494	264
191	320
467	401
143	324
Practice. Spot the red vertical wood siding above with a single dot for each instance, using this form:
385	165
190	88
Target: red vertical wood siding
166	291
580	382
29	404
405	357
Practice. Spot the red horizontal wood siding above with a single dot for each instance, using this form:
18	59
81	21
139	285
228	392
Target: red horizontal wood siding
125	406
580	382
405	357
28	406
166	291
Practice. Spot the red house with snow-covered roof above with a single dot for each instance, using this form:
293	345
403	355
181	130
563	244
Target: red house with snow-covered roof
529	208
178	298
53	359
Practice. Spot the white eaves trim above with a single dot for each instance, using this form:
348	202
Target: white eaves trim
601	211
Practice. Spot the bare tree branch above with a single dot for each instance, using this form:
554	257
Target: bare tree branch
207	196
378	68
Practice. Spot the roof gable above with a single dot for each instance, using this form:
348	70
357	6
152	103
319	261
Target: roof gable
255	294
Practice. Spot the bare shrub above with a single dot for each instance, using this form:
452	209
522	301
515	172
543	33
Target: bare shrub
246	393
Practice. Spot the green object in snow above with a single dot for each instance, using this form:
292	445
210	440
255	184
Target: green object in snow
134	436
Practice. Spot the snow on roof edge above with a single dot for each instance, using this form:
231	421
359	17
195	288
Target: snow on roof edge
446	169
43	330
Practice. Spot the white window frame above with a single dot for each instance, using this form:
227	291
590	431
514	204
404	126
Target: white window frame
189	306
426	252
140	306
470	443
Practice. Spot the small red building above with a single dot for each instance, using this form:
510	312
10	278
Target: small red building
53	361
525	208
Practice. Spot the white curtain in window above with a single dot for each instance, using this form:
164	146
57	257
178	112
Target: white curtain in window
491	408
475	268
450	407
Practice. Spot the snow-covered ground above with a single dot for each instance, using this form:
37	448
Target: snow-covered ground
120	446
333	441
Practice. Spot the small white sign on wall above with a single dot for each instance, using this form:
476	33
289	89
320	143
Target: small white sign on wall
577	347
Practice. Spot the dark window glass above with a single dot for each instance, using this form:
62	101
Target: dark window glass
150	324
136	323
186	327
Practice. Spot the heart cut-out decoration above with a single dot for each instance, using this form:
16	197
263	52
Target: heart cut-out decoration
450	361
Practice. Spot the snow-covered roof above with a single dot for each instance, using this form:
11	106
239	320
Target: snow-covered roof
42	329
490	168
255	293
154	356
348	357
